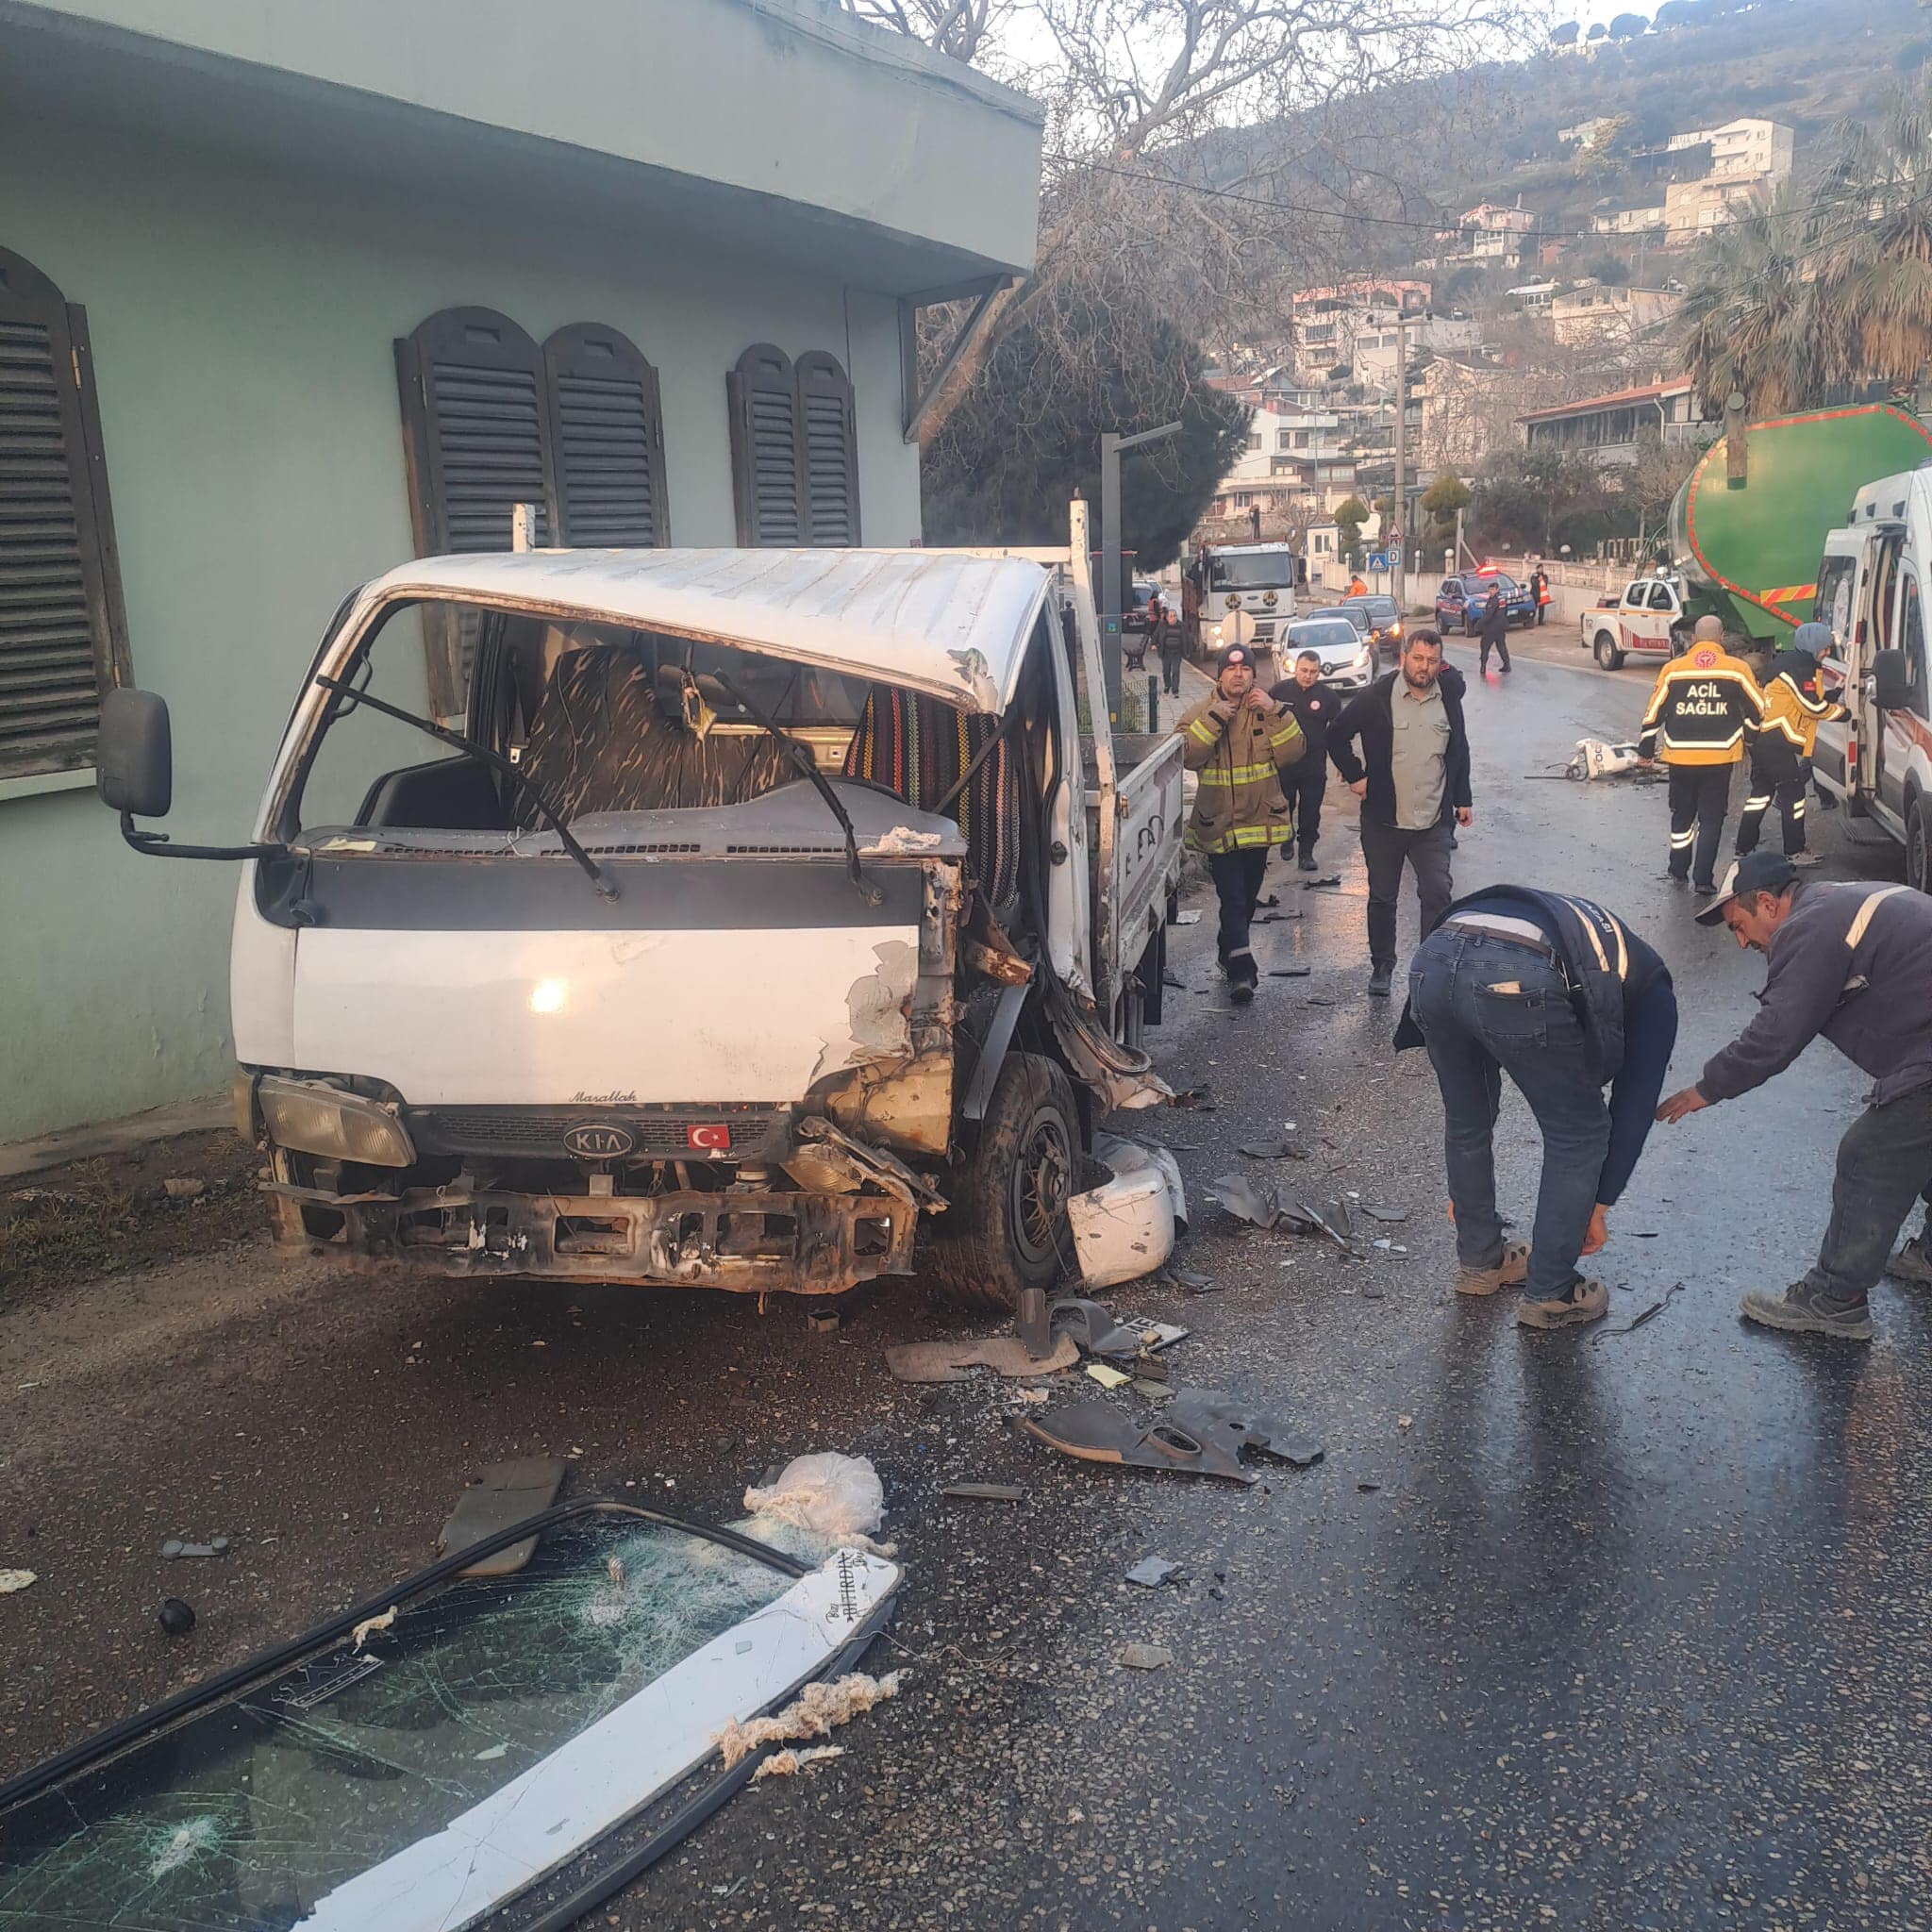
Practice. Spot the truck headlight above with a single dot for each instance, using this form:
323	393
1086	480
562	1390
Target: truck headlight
316	1119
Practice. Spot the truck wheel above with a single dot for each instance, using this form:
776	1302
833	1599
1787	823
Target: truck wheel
1006	1227
1608	654
1919	847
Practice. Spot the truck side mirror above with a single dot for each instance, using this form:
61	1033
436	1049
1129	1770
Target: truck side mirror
134	754
1892	679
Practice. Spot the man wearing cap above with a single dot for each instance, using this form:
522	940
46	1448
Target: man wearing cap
1853	962
1238	742
1706	705
1312	704
1563	997
1781	756
1412	779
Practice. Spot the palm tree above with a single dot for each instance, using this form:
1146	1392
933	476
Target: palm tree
1872	261
1749	322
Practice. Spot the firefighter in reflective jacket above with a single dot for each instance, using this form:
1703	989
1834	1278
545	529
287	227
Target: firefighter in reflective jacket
1781	759
1238	742
1707	706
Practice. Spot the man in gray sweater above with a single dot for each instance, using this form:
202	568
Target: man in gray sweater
1853	962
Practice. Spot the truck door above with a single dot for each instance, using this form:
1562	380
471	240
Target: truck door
1905	738
1836	606
1877	609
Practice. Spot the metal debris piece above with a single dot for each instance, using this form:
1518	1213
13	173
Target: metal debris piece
1153	1391
502	1495
1656	1308
1271	1150
1316	885
1146	1657
1187	918
1152	1572
1202	1432
1208	1414
984	1493
1107	1377
1375	1211
1384	1245
1193	1282
954	1361
175	1548
1247	1200
1289	972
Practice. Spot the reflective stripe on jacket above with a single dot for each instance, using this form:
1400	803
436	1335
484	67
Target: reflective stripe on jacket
1239	763
1794	716
1705	706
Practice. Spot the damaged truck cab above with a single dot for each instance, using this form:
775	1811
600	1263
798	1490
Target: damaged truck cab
756	911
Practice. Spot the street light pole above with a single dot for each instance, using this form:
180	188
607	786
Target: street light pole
1110	448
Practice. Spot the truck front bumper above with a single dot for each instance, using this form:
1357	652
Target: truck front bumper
744	1241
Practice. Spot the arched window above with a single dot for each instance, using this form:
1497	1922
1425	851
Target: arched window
63	629
795	451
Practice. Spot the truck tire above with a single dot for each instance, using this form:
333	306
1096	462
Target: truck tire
1918	846
1006	1227
1608	655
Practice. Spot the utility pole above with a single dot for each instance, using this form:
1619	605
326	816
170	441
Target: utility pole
1110	448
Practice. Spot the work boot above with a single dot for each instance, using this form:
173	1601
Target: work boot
1512	1271
1379	982
1913	1262
1802	1310
1306	862
1705	890
1242	977
1584	1300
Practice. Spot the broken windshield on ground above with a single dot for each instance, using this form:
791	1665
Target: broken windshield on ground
454	1757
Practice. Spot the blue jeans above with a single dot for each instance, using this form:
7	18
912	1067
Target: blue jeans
1475	1034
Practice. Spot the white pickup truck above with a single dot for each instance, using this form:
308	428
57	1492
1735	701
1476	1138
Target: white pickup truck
1646	620
761	907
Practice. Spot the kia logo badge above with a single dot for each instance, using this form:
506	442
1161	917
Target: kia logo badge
599	1142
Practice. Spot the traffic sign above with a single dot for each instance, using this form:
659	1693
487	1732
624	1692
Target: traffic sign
1378	560
1395	556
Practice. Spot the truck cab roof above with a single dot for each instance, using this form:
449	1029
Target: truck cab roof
950	624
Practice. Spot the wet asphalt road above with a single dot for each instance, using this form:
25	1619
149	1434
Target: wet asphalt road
1618	1629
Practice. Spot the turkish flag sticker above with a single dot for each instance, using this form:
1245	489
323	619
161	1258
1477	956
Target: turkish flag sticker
709	1140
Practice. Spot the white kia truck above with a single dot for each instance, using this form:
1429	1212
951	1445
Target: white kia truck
742	911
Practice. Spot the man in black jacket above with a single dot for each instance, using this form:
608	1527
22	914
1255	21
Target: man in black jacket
1494	631
1312	704
1412	777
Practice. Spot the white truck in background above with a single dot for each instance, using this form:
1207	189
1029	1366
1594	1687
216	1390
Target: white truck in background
766	907
1873	583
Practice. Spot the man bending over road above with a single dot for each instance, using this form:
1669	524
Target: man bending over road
1853	962
1563	997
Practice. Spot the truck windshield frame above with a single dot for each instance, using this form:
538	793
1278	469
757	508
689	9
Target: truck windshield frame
1254	570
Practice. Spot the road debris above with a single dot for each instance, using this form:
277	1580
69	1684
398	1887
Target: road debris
836	1499
1193	1281
1107	1378
1317	885
1650	1313
1188	918
502	1495
819	1709
1271	1150
184	1186
13	1580
1202	1432
1146	1657
1375	1211
1383	1245
177	1618
790	1764
369	1625
1152	1572
954	1361
1195	1099
1125	1155
1289	972
1125	1228
822	1321
174	1549
986	1492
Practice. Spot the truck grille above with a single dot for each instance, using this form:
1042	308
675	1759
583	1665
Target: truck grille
756	1127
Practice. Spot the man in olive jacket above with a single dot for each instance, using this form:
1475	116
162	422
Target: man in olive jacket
1238	743
1412	777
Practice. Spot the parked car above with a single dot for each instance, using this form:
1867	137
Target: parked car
1459	601
1348	659
667	970
1134	618
1351	613
1383	622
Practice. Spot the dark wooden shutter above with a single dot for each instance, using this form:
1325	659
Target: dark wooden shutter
608	456
477	439
831	451
766	449
62	631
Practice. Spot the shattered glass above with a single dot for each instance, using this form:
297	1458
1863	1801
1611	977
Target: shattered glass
252	1811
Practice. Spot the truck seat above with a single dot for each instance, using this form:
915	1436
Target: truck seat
917	747
600	741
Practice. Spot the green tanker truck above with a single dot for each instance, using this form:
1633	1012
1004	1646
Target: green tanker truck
1749	524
